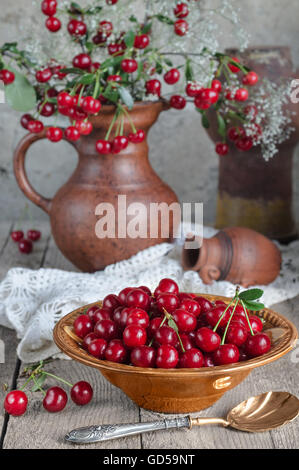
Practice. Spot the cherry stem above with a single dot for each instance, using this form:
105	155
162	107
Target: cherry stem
217	324
161	324
38	386
58	378
227	325
111	126
247	318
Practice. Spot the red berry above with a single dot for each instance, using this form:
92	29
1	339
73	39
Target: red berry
83	326
15	403
153	326
226	354
137	298
97	347
251	111
168	286
44	75
35	127
192	358
129	65
25	246
72	134
208	360
34	235
213	316
137	137
234	133
138	316
106	329
88	339
103	147
146	290
64	99
177	102
185	321
123	294
181	10
115	49
55	400
257	345
241	94
17	235
193	89
46	109
53	24
7	76
221	148
91	312
153	87
81	393
167	301
167	357
188	342
250	79
244	144
116	352
54	134
90	105
181	27
216	85
25	119
49	7
123	318
205	304
82	61
256	324
94	66
84	127
111	2
233	68
191	306
166	335
106	28
101	314
141	41
143	356
77	28
207	340
119	143
134	336
172	76
236	334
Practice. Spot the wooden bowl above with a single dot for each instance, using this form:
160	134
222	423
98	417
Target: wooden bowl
178	390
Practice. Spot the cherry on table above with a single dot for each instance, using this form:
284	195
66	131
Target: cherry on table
192	358
34	235
17	235
7	76
83	326
207	340
172	76
55	400
167	357
53	24
97	347
226	354
181	10
181	27
143	356
49	7
15	403
25	246
25	119
257	345
54	134
141	41
81	393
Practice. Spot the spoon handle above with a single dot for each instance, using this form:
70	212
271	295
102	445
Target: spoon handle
114	431
205	421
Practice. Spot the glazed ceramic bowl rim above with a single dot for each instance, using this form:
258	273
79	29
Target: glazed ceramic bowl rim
77	353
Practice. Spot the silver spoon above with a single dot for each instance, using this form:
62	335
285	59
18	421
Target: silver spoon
261	413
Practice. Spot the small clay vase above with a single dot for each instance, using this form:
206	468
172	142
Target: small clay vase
237	254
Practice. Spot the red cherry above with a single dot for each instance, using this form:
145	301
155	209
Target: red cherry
207	340
76	28
193	89
94	66
257	345
153	326
146	290
185	321
234	133
17	235
138	316
35	127
134	336
233	68
221	148
166	335
137	137
205	304
103	147
15	403
241	94
97	347
216	85
101	314
213	316
7	76
64	99
208	360
54	134
72	134
166	285
137	298
81	393
172	76
84	127
141	41
82	61
123	294
209	95
25	119
114	78
153	87
182	296
25	246
106	329
143	356
236	334
129	65
52	93
251	111
256	324
46	109
167	301
244	144
90	105
193	358
44	75
77	114
181	10
188	342
53	24
191	306
49	7
117	315
177	102
119	143
251	78
111	2
34	235
106	28
115	49
167	357
55	400
226	354
116	352
83	326
88	339
181	27
124	316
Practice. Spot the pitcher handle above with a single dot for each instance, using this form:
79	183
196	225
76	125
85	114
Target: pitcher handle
20	172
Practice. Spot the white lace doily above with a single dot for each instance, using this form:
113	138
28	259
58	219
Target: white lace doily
31	302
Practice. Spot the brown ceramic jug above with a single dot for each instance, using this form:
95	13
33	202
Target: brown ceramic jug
97	179
238	255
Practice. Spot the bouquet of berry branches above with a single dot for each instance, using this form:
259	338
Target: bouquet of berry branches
118	52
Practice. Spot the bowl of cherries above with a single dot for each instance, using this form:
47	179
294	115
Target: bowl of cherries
172	351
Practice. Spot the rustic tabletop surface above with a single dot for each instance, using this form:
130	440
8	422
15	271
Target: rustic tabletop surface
39	429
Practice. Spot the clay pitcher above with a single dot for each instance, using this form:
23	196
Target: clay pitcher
238	255
101	179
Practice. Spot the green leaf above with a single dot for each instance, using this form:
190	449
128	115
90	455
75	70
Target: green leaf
93	10
168	62
39	381
20	94
71	70
126	97
255	306
164	19
129	38
133	19
205	122
76	6
159	67
172	324
87	79
251	294
189	71
221	125
146	28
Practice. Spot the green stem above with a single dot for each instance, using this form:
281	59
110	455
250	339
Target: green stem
161	324
227	325
247	318
58	378
218	322
111	126
129	118
38	386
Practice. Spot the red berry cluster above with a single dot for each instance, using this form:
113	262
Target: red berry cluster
25	245
168	329
7	76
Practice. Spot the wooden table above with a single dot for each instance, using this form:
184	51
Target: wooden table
39	429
